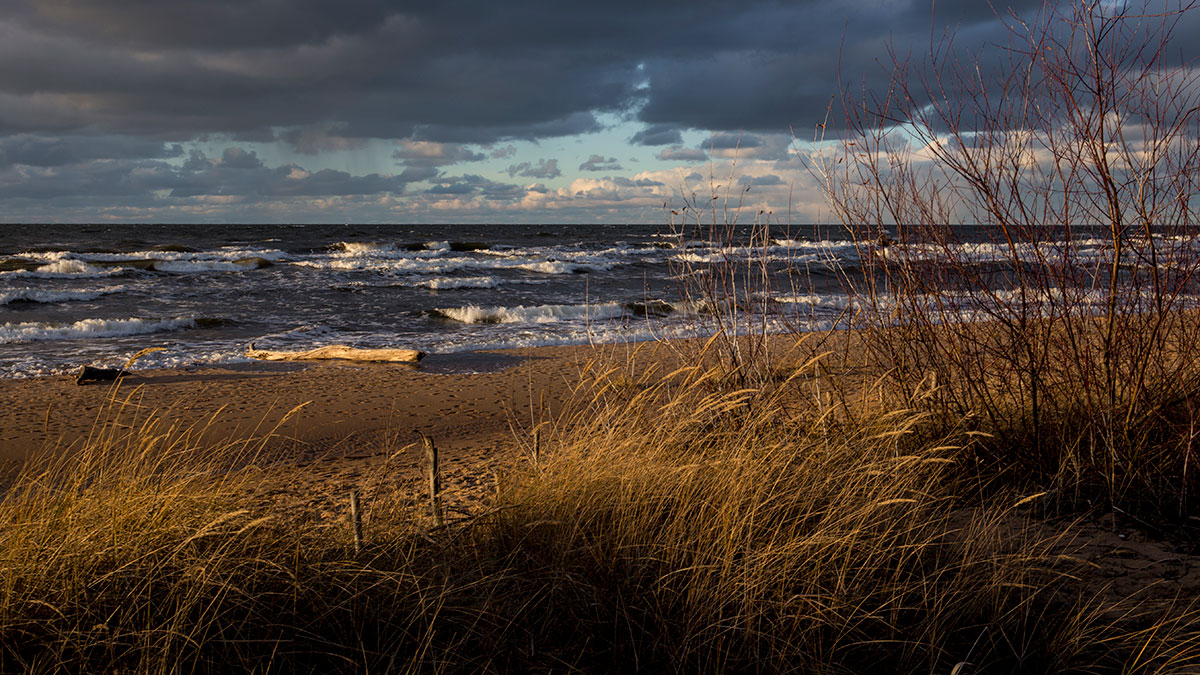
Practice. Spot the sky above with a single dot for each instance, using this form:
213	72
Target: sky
419	111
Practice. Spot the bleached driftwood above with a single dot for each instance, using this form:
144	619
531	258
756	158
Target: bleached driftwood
338	352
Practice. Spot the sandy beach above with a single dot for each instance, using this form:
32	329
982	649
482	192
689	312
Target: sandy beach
356	422
347	406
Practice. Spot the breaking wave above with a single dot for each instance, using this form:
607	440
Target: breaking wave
533	314
444	283
11	333
356	248
38	295
563	267
68	269
198	266
538	314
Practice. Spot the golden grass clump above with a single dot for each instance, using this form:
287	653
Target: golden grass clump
737	536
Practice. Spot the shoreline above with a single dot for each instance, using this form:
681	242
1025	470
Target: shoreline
459	396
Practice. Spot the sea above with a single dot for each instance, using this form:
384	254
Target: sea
73	295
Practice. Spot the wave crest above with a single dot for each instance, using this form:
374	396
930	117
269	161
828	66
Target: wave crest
39	295
530	314
11	333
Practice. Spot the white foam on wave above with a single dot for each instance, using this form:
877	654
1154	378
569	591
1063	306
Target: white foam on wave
564	267
398	265
200	266
11	333
355	248
47	256
612	333
368	253
66	269
500	251
810	299
444	283
1078	251
41	295
35	366
412	264
701	257
789	251
228	254
532	314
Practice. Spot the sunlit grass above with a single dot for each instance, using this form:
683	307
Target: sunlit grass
673	522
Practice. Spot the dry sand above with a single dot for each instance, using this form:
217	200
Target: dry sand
356	417
349	408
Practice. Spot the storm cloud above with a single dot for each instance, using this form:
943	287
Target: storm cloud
146	102
463	71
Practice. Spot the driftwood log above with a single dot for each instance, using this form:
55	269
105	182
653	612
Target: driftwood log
88	374
338	352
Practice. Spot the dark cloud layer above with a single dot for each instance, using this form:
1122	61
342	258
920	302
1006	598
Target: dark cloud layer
465	71
38	150
236	174
106	97
658	134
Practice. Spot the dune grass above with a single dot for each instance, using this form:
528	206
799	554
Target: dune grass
674	522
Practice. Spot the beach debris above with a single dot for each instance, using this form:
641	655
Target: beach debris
435	479
338	352
537	447
356	521
89	374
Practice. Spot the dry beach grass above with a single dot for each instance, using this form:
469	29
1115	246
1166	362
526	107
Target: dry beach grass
673	521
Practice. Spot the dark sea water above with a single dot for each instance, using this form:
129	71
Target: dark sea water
95	294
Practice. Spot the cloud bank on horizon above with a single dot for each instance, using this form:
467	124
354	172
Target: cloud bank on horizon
450	111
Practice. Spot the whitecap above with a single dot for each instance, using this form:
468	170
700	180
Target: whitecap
200	266
67	269
531	314
358	248
443	283
88	328
41	295
563	267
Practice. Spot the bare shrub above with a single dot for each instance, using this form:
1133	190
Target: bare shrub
740	276
1027	240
